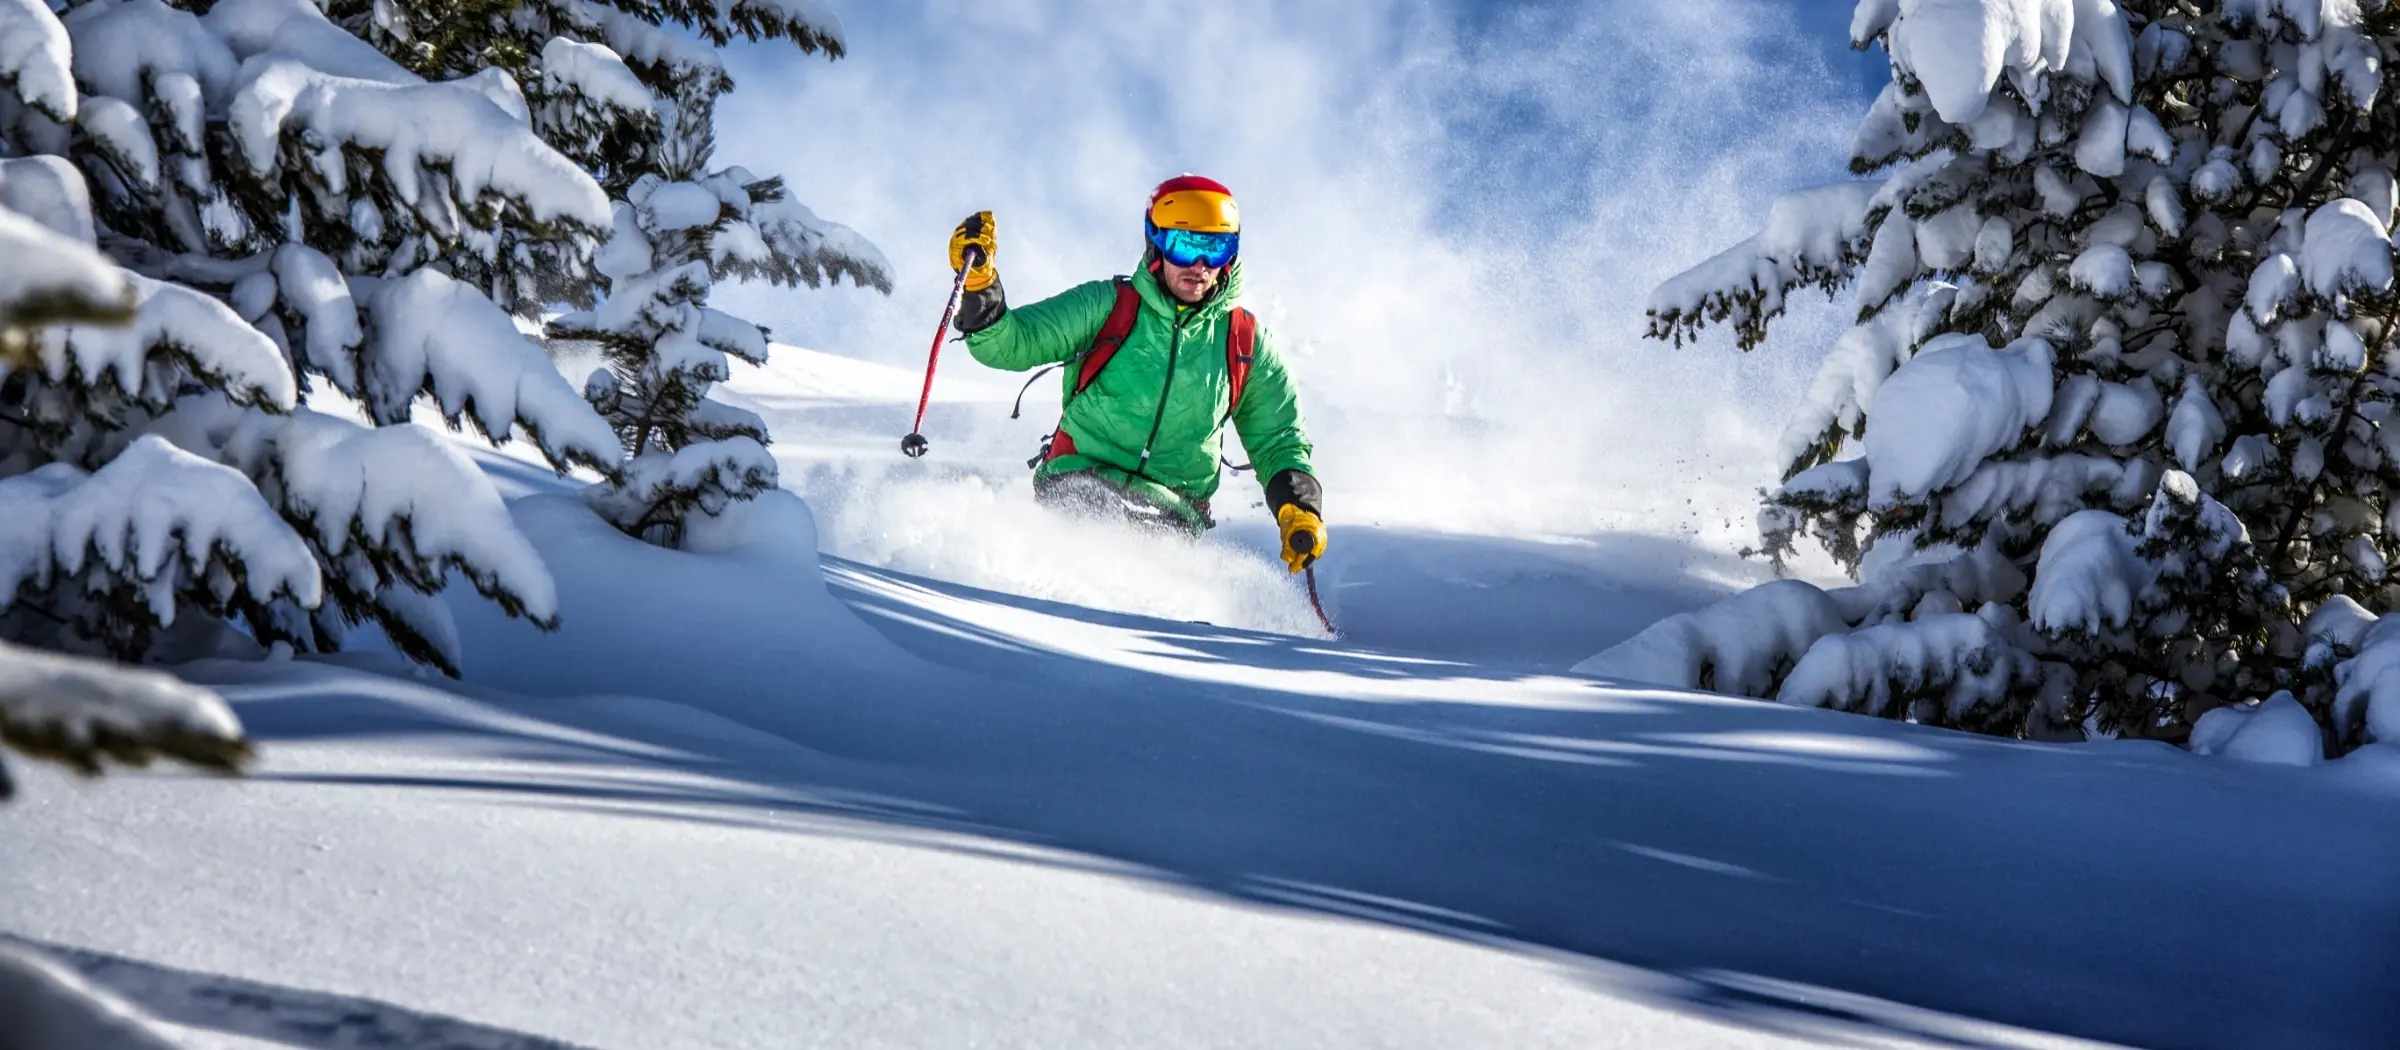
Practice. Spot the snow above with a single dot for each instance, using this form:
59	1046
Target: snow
35	61
2100	149
2278	732
299	29
1810	234
1043	816
312	287
674	206
2047	488
48	268
120	132
1862	358
2126	412
2164	206
2368	684
594	72
1955	661
2194	428
416	128
820	249
2272	285
159	517
1959	49
49	191
644	42
119	44
84	709
1738	645
403	488
1951	407
205	335
435	335
2340	622
712	468
2087	577
2347	250
2105	270
49	1005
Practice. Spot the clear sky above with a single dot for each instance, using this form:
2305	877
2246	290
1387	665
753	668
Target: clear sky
1452	211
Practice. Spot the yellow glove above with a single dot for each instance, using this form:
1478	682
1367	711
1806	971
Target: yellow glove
975	232
1303	536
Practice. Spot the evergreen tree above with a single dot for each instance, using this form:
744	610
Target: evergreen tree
628	88
2126	322
286	210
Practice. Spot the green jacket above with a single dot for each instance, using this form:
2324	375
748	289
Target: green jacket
1168	378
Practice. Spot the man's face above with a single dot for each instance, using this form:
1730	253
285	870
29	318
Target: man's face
1188	283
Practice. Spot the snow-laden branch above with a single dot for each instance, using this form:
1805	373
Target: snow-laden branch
433	335
51	278
86	713
443	147
35	59
177	324
1814	236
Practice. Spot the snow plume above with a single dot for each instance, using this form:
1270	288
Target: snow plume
1459	296
987	531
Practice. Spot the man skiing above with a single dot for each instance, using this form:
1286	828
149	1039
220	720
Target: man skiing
1156	365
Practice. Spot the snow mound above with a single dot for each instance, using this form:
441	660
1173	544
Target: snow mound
2278	732
1738	645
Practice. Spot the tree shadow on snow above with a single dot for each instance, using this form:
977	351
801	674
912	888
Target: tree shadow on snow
280	1013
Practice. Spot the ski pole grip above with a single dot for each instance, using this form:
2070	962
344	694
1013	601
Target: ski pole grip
1304	540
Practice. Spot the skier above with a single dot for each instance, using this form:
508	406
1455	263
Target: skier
1156	364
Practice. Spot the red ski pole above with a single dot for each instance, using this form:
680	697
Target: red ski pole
915	445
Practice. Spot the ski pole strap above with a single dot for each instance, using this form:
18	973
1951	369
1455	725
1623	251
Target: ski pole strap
1019	407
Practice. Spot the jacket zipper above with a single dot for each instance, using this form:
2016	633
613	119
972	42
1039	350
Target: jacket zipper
1174	345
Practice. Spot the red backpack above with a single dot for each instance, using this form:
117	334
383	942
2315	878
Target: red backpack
1241	332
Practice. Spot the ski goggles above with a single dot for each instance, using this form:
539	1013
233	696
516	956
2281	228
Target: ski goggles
1185	247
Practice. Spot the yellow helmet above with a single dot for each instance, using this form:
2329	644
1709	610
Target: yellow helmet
1193	202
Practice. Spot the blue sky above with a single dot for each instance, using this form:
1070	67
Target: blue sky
1453	212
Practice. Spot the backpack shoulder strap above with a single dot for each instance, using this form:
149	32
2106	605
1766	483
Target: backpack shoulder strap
1112	334
1241	333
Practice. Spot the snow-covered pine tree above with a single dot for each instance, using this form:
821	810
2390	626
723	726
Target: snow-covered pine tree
628	88
288	207
2126	330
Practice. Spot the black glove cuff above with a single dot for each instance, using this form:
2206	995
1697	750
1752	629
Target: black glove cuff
980	310
1297	489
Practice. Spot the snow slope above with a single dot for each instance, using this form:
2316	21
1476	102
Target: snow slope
766	797
744	800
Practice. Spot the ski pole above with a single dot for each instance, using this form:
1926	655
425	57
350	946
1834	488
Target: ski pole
1319	606
915	445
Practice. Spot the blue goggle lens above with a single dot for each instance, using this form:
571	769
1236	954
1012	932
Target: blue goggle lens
1185	247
